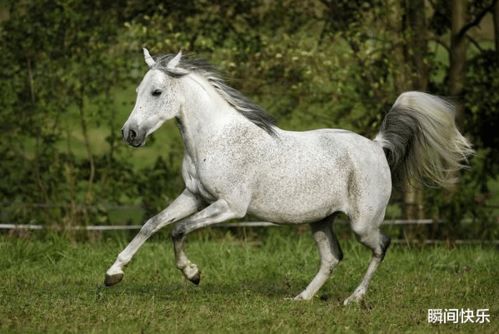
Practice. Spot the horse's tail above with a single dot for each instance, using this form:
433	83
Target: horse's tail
421	140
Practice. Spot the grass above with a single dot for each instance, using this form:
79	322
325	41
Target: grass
56	286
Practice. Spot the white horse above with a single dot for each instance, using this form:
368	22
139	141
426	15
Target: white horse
237	162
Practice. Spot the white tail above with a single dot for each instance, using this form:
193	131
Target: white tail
421	140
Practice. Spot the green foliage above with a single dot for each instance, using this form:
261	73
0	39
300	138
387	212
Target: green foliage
482	105
69	68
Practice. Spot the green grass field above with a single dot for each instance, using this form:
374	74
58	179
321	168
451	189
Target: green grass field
56	286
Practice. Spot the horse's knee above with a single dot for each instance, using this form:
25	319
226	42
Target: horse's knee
178	232
146	231
149	227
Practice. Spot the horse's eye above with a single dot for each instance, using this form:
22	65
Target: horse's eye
156	92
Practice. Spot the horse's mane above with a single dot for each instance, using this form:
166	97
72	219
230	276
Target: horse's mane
235	98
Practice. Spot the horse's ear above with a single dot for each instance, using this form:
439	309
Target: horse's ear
147	57
172	64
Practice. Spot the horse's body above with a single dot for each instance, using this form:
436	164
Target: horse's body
237	162
272	175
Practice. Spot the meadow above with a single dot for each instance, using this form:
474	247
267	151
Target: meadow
54	285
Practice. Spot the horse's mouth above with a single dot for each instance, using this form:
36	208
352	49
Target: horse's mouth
137	144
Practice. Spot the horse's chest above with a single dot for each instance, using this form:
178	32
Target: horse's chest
194	182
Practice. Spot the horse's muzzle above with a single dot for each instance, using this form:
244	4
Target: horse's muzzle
132	135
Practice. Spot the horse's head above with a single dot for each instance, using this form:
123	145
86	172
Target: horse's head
158	100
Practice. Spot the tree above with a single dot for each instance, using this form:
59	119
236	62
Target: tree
496	27
312	64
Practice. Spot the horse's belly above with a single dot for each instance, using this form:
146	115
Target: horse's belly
292	216
302	200
293	211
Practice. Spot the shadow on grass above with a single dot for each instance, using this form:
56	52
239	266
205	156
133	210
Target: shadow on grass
186	292
173	290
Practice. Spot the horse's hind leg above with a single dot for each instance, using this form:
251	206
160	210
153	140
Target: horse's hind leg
330	253
369	235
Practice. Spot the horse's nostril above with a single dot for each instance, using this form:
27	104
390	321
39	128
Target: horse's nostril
122	133
132	135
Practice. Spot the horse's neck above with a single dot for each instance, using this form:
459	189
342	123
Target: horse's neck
203	114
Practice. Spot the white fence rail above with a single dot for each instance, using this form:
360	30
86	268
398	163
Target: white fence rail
253	224
239	224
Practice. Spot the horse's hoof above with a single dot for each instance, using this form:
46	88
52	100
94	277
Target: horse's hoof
302	296
356	296
352	300
196	278
111	280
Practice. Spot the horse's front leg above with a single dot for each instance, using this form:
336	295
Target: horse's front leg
217	212
183	206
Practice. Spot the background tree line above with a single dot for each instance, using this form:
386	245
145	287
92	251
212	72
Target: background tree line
69	68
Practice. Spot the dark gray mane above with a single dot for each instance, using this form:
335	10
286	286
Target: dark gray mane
236	99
